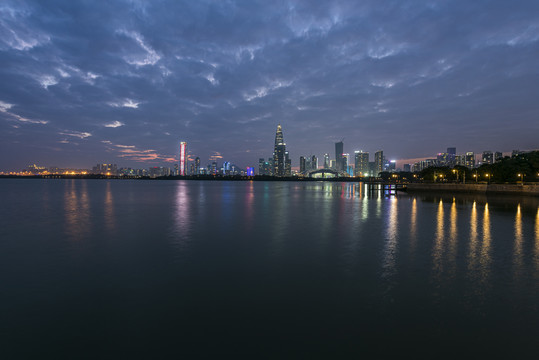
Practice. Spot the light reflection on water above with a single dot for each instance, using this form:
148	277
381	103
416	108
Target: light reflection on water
485	248
110	219
517	250
439	238
391	241
537	244
76	209
183	212
279	254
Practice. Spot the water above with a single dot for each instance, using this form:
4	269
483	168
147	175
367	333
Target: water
202	269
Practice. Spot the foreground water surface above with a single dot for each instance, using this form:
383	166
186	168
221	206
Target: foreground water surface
108	269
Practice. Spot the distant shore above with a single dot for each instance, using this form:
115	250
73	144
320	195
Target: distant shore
188	177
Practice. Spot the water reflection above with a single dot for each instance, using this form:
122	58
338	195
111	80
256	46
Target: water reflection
485	247
109	208
391	244
517	250
438	250
537	243
249	210
182	214
472	253
76	209
413	227
453	237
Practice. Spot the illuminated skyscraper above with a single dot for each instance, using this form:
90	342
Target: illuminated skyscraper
302	164
361	163
197	165
327	163
378	162
281	161
183	158
339	149
314	162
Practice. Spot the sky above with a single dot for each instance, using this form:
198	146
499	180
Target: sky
87	82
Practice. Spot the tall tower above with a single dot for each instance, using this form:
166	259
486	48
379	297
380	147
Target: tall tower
378	162
197	165
183	158
279	154
339	149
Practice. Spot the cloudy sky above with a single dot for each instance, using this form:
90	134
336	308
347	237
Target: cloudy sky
83	82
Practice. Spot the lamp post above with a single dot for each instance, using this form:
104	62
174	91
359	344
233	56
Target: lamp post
457	172
521	175
488	178
475	176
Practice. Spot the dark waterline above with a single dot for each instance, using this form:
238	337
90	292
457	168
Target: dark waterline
108	269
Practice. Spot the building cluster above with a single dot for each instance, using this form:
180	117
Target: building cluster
450	158
341	165
185	167
279	164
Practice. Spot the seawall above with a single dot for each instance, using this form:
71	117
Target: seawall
514	189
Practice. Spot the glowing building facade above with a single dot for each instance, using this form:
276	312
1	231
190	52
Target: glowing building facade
281	159
183	158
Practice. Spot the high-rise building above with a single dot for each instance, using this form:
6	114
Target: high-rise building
378	162
197	165
327	163
314	162
183	158
406	167
287	164
302	165
361	163
261	170
345	161
339	150
488	157
470	160
498	156
280	155
451	156
227	168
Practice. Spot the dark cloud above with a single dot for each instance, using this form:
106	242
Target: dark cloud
125	81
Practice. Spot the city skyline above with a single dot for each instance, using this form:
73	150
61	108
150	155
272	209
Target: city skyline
222	76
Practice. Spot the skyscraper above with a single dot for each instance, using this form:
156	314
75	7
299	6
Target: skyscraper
281	161
197	165
183	158
302	164
287	164
339	149
378	162
314	162
452	156
327	164
361	163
